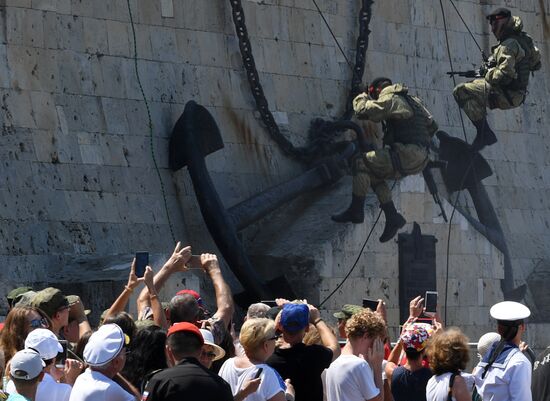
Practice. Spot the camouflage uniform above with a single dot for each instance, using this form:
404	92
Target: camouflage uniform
505	85
408	127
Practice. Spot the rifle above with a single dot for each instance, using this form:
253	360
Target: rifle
468	73
430	183
480	72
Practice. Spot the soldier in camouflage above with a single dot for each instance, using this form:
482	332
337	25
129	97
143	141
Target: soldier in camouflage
408	127
504	79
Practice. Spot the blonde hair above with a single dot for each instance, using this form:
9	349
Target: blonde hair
366	322
255	332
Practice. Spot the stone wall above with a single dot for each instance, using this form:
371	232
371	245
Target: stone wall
78	183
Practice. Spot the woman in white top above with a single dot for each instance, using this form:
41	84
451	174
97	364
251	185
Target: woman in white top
258	341
448	355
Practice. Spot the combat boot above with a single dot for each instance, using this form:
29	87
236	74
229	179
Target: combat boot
355	213
485	135
394	221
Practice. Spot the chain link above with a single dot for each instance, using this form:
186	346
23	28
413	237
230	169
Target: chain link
319	142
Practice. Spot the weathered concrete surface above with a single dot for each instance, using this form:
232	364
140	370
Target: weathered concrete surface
77	181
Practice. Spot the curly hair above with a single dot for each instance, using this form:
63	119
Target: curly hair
366	322
254	332
448	351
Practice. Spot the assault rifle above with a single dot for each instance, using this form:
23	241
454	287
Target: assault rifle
432	187
478	72
468	73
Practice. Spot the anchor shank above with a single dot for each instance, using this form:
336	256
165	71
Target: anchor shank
253	209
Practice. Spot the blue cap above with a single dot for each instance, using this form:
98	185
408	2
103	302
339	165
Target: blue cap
294	317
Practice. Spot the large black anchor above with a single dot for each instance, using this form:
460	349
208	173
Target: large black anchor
465	170
195	136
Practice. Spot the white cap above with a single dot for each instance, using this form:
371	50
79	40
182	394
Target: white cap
44	342
509	311
209	340
485	341
104	345
26	365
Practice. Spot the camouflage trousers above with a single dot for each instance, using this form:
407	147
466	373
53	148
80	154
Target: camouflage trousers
373	168
474	97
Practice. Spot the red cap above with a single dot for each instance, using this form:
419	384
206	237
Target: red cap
185	326
191	292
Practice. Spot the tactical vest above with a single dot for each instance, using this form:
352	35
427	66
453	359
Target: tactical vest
525	65
414	130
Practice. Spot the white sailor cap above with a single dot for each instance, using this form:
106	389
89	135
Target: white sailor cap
509	311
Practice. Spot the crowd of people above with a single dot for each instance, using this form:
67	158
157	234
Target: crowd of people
286	351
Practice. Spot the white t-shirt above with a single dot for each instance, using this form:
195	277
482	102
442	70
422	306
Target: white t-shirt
48	389
350	378
94	386
438	386
270	385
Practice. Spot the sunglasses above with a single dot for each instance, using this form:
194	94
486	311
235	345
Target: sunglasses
494	18
210	354
37	323
275	337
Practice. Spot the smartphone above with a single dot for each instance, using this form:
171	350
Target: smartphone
142	260
194	262
61	356
258	373
269	302
430	302
370	303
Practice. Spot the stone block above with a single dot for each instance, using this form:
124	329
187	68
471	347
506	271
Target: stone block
48	5
17	105
148	12
216	83
24	27
167	8
70	33
22	64
113	84
43	110
130	79
188	43
114	115
164	44
211	47
119	38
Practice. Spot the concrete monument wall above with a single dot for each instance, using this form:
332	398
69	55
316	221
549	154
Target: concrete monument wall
79	190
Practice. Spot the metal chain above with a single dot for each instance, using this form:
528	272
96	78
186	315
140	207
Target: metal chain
318	143
360	56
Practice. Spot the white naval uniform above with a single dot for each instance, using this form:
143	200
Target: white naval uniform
509	380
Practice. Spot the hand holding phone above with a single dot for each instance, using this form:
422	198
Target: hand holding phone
430	300
142	261
61	356
370	303
194	262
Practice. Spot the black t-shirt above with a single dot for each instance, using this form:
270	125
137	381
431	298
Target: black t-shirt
188	380
409	386
540	381
303	365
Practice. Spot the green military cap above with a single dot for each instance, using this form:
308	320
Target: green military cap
73	299
15	293
50	300
24	299
348	311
